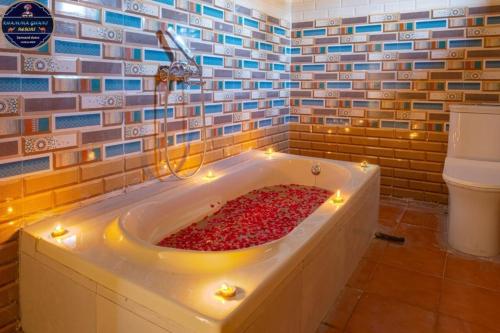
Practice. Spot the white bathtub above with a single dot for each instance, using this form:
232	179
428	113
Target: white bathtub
106	274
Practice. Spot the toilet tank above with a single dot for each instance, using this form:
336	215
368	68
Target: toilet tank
474	132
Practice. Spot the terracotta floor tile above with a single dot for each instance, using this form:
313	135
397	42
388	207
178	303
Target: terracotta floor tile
473	304
406	286
327	329
375	250
340	313
428	261
362	275
453	325
390	213
418	236
376	314
422	218
481	273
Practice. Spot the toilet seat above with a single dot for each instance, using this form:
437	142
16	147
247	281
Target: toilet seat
481	175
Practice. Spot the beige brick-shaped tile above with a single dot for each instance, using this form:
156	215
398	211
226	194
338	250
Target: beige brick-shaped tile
427	146
324	129
300	127
78	192
99	170
365	141
360	158
436	197
232	150
337	156
380	133
425	186
10	189
438	137
412	135
351	149
394	143
300	144
395	163
8	253
324	146
409	174
242	137
312	137
8	273
256	134
28	205
9	293
388	172
377	151
405	193
436	157
141	160
338	138
222	142
435	177
409	154
248	145
48	181
426	166
312	153
116	182
386	190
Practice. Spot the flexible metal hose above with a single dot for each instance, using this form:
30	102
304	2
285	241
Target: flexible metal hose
203	134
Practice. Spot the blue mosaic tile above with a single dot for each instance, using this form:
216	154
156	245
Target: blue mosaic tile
278	67
313	68
158	55
493	20
265	46
17	168
213	12
79	120
15	84
430	65
279	31
213	108
278	103
265	85
339	48
291	119
431	24
367	66
232	85
368	28
292	85
132	85
248	22
396	85
365	104
158	113
166	2
492	64
398	46
250	105
250	64
213	61
314	32
187	137
466	43
77	48
339	85
121	149
188	32
231	129
394	124
122	19
265	123
233	40
427	106
113	84
313	102
464	85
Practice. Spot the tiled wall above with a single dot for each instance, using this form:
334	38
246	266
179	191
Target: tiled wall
78	116
379	88
318	9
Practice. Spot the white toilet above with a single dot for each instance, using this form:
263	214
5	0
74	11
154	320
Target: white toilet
472	173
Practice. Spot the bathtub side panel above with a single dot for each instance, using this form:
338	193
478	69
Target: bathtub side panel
53	302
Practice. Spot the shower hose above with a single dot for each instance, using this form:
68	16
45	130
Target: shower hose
169	76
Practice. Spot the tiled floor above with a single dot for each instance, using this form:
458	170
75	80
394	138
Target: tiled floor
421	286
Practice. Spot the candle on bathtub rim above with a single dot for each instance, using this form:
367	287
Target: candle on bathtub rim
226	291
364	165
338	199
210	174
269	151
58	231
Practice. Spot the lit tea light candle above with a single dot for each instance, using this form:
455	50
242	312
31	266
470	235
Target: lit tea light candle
364	164
10	210
226	291
210	174
338	199
269	151
58	231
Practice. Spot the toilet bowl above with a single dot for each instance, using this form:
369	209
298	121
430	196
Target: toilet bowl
474	213
472	173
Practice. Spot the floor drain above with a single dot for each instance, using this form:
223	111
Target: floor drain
389	238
